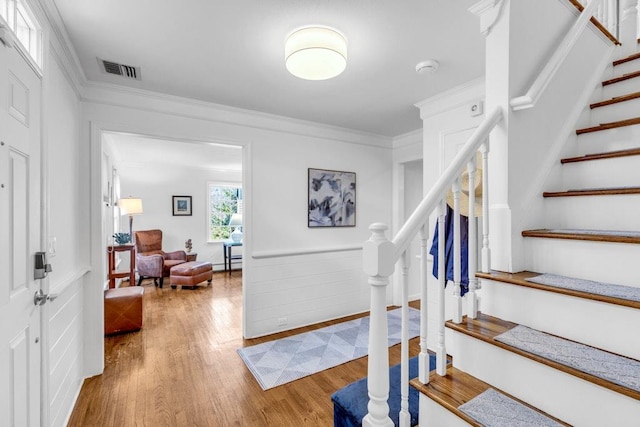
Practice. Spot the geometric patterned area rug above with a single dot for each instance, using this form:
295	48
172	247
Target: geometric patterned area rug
494	409
278	362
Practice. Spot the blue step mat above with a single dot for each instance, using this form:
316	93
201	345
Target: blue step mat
350	402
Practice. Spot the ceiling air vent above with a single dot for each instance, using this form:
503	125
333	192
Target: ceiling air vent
126	71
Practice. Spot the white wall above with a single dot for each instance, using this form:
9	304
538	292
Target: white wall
156	184
67	195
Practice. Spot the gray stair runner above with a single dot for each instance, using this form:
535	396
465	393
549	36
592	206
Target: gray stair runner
599	288
493	409
611	367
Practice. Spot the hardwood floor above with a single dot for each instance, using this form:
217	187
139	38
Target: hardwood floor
182	369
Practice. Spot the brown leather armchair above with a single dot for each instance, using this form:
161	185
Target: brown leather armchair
151	260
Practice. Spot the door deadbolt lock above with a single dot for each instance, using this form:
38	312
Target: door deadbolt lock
41	267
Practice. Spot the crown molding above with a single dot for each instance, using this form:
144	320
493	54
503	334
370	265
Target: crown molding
408	139
489	12
144	100
452	98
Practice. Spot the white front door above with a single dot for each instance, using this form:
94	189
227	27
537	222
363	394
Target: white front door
20	238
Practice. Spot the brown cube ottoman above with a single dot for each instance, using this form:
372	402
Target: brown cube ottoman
189	274
123	310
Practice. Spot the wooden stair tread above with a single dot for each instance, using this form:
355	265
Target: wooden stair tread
605	155
615	100
611	125
621	78
593	192
519	279
486	328
626	59
457	388
589	235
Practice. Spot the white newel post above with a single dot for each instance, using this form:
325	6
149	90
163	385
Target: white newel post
404	417
457	274
423	359
378	260
441	351
472	298
628	26
486	252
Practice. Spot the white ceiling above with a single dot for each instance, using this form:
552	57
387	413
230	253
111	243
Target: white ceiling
232	52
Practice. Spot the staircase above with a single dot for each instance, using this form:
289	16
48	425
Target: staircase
592	209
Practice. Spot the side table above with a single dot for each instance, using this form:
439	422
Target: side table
191	256
111	257
228	257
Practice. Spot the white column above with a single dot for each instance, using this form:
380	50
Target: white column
404	417
628	26
378	260
457	300
472	299
441	352
486	252
423	359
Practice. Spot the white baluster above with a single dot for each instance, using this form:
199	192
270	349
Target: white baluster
404	417
472	300
628	26
457	300
486	252
378	261
423	359
441	351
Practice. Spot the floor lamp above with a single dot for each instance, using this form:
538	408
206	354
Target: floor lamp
130	206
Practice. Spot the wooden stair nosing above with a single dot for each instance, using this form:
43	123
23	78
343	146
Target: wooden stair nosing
593	192
615	100
457	388
605	155
629	58
544	233
621	78
486	328
519	279
610	125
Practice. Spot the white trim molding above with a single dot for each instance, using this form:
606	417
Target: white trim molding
452	98
279	254
489	12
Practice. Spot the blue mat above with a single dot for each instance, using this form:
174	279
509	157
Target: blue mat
350	402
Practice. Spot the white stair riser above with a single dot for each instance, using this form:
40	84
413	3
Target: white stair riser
592	212
562	315
609	140
615	112
599	261
624	87
622	69
434	414
615	172
561	395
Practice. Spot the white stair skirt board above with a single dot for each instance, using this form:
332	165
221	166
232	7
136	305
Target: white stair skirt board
591	322
571	399
619	111
620	138
436	415
600	261
585	212
615	172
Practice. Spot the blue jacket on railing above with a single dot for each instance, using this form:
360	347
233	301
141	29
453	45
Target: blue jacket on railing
448	251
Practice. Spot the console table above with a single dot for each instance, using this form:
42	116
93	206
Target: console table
111	257
227	245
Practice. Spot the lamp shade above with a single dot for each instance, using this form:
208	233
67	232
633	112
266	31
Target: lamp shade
236	220
316	53
130	206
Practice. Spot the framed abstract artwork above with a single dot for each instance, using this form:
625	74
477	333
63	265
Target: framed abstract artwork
332	198
181	205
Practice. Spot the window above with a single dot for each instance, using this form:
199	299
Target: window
224	200
23	24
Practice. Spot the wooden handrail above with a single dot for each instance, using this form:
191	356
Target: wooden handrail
421	214
551	68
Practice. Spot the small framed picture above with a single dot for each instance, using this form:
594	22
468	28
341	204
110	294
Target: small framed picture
181	205
332	198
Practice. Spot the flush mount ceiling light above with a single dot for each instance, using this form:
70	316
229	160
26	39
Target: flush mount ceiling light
316	53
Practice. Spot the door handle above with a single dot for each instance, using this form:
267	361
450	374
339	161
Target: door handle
40	298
